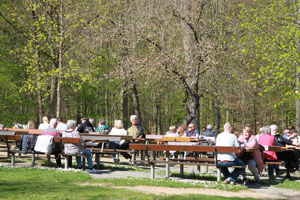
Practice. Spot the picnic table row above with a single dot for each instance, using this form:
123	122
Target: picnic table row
151	144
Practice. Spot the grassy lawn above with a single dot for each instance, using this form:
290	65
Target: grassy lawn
30	183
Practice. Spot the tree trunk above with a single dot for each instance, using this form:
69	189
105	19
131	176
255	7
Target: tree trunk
124	95
136	103
58	105
296	5
218	117
37	62
192	67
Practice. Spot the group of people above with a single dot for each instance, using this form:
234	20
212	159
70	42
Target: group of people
72	130
255	159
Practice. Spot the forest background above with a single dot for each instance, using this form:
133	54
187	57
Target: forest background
168	61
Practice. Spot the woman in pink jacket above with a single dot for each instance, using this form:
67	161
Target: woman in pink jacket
254	160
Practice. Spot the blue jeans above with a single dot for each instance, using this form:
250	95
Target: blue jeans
88	154
235	173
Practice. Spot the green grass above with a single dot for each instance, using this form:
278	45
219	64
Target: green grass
196	176
169	183
31	183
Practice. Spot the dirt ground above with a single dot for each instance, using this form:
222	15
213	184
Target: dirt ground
261	193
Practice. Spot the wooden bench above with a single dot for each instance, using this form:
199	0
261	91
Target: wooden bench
184	161
105	139
69	140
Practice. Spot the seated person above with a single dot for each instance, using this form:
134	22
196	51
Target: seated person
289	157
102	128
267	139
45	123
136	130
253	159
226	160
86	126
118	130
74	149
52	131
287	133
208	132
208	135
172	132
191	132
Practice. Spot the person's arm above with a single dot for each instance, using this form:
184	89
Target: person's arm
252	143
80	129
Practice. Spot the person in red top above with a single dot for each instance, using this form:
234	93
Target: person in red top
267	139
52	131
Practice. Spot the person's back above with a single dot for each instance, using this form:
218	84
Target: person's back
266	139
86	126
172	132
51	131
45	123
60	125
227	139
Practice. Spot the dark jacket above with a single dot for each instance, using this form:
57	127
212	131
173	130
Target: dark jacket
281	141
208	133
27	141
86	127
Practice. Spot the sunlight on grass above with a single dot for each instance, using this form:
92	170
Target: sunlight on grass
169	183
32	183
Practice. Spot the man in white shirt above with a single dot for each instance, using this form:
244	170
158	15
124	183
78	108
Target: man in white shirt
60	125
226	160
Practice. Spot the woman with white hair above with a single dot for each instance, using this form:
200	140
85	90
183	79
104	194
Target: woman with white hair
118	130
45	123
74	149
55	133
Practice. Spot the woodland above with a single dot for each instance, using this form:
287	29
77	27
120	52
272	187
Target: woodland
170	62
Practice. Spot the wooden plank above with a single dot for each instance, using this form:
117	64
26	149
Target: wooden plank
70	140
101	138
183	143
123	137
196	148
10	137
7	132
153	137
272	148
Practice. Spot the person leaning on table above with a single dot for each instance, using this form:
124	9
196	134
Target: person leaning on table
226	160
253	159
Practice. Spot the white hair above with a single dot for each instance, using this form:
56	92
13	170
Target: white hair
71	123
132	117
119	124
266	130
53	122
273	127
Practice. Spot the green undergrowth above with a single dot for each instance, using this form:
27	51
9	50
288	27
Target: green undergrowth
170	183
33	183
